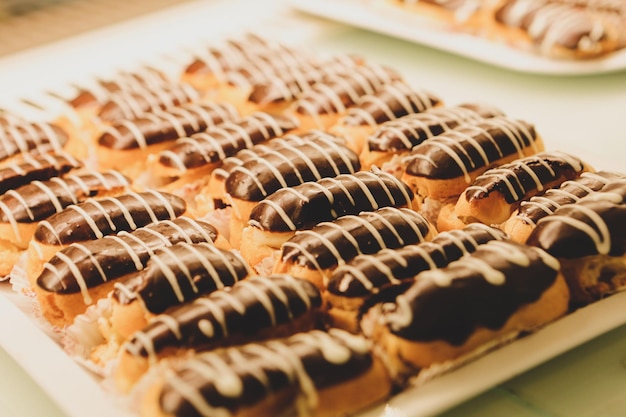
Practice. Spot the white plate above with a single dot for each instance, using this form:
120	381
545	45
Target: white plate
377	16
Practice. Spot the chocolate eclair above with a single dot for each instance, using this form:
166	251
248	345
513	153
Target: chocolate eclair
392	101
134	104
128	143
495	194
440	168
22	208
521	224
587	237
101	89
36	168
165	125
32	138
254	309
326	101
354	282
314	254
173	276
208	70
82	273
276	90
216	188
446	315
276	218
194	157
319	156
561	29
313	373
95	218
393	140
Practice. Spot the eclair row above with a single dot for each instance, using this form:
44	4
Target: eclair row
559	29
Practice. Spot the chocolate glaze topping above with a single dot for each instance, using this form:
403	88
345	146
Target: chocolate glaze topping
136	80
305	205
180	273
246	55
96	218
81	266
467	148
553	24
289	83
594	225
481	289
262	69
411	130
40	199
264	148
35	168
392	101
225	317
31	138
335	93
540	206
224	140
134	104
332	244
290	165
302	363
367	274
524	177
162	126
216	60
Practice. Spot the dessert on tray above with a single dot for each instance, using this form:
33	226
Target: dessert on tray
288	233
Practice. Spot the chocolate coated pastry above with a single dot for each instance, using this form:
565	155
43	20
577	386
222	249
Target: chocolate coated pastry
391	102
411	130
317	157
469	147
320	373
330	244
162	126
588	239
253	306
79	267
304	206
367	274
499	291
131	105
563	28
220	142
99	93
36	168
495	194
96	218
334	94
287	84
180	273
31	138
520	225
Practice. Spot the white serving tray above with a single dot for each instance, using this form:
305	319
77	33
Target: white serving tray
79	393
379	16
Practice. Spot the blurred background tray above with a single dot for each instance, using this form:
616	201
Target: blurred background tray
377	16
